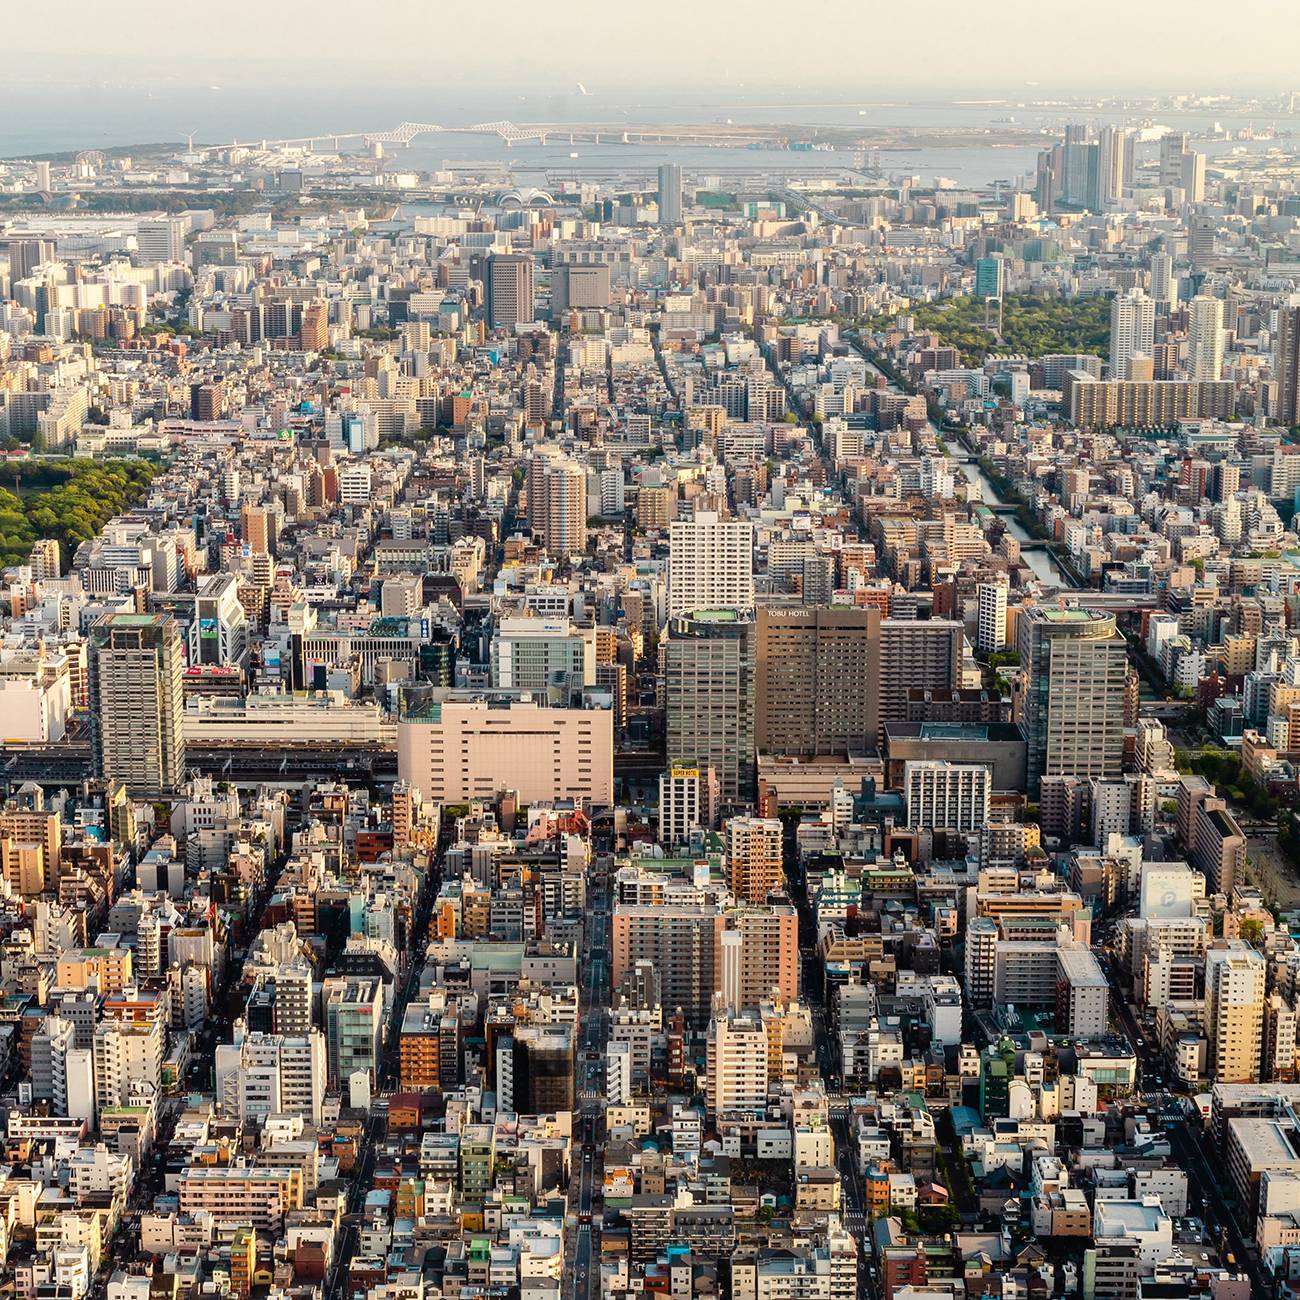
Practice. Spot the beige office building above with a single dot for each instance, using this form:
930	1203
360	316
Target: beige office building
455	750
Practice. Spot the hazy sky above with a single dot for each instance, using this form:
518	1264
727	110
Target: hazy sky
861	46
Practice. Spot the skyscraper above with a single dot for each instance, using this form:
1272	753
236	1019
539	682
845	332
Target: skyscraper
1114	164
1164	288
1132	330
1074	706
1205	338
670	194
710	564
990	276
709	683
509	290
134	683
817	680
1286	363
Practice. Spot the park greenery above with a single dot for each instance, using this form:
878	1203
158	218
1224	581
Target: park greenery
1031	324
67	500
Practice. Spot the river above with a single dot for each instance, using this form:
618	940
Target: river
1042	563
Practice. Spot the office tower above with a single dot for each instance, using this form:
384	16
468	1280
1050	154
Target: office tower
947	796
991	620
1073	713
1192	178
670	194
1132	330
354	1026
162	239
219	629
817	670
1200	242
579	286
1234	1010
314	333
1164	288
1205	338
1173	148
736	1055
710	564
134	684
924	653
990	276
535	654
681	805
42	177
557	503
709	682
1286	364
509	290
25	255
754	867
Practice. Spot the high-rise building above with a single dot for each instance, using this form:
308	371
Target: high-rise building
1286	363
1164	287
314	332
207	401
162	239
710	564
1234	1010
219	629
736	1054
754	867
25	255
509	290
670	194
924	653
538	1078
709	684
682	798
1073	715
557	503
947	796
262	1074
991	622
135	668
817	670
682	943
1132	330
990	276
354	1026
1114	165
1200	241
1205	338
